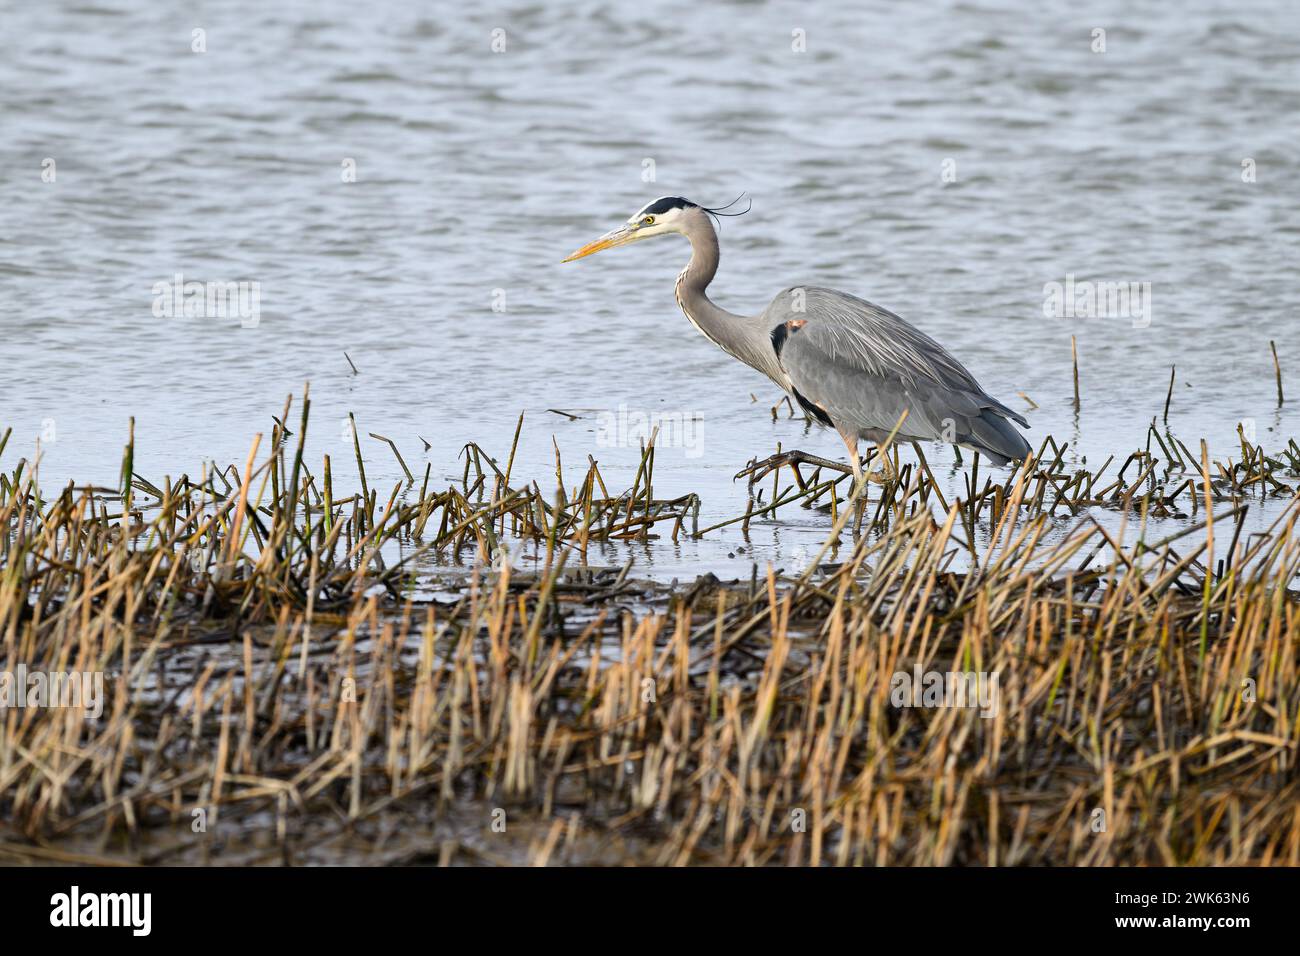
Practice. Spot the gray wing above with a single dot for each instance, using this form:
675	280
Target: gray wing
863	366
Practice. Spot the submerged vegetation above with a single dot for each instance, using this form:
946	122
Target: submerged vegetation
287	681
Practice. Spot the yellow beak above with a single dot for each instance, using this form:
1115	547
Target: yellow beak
620	236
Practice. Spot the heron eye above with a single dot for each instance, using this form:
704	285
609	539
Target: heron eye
649	220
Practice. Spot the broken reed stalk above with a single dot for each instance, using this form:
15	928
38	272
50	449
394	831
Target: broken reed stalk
1074	361
410	478
1277	371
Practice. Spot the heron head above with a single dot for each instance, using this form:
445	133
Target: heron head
658	218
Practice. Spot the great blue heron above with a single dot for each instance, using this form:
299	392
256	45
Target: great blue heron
849	364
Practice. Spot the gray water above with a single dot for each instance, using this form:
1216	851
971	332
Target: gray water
946	161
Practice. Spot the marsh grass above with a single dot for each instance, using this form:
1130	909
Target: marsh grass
274	676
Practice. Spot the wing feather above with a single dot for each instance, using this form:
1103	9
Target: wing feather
865	366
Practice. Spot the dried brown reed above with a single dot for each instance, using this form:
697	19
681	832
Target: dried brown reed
283	686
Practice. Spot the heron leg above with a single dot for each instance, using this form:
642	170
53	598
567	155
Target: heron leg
851	442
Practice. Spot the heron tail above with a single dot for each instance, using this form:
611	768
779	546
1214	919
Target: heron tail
996	438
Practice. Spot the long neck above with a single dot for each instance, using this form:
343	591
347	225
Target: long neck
741	336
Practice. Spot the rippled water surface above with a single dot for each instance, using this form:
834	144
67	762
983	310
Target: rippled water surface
477	170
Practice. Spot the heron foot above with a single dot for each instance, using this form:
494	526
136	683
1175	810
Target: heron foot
887	469
756	471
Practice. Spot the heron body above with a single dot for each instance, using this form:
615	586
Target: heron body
850	364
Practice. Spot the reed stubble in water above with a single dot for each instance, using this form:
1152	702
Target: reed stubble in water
275	674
